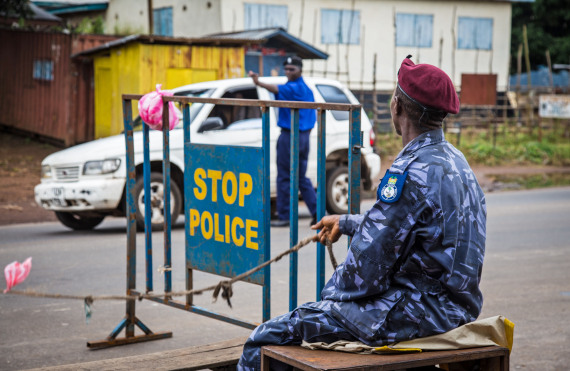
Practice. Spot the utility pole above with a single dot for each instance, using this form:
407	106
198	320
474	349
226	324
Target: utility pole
150	20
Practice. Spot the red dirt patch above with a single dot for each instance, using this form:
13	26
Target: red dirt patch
20	166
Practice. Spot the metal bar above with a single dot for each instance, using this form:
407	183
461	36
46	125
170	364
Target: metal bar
142	326
131	216
186	119
117	330
204	312
354	154
166	197
132	96
130	340
264	103
147	209
293	207
253	103
266	215
321	194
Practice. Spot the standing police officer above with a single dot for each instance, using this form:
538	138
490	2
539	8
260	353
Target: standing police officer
294	90
415	258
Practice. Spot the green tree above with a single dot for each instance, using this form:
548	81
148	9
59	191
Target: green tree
91	26
15	9
548	27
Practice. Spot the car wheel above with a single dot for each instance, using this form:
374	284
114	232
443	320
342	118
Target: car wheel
157	202
337	190
77	221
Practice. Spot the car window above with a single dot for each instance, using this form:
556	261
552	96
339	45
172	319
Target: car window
241	117
194	107
254	123
332	94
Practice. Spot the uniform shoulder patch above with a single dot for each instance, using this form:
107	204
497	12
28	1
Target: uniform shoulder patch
391	186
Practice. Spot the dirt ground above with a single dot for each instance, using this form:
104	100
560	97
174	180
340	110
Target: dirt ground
20	166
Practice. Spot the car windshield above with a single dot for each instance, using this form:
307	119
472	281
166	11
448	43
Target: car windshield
194	107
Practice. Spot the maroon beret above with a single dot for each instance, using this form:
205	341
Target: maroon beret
428	85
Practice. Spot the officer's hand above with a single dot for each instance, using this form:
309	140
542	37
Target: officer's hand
330	229
254	76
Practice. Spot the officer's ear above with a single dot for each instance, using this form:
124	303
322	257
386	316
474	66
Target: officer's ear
397	105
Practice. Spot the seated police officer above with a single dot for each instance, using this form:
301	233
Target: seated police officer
415	258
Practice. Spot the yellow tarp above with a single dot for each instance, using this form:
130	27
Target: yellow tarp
485	332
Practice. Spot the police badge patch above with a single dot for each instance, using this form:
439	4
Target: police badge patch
391	186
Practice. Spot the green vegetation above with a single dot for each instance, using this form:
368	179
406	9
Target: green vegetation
127	30
548	27
15	8
91	26
529	181
513	146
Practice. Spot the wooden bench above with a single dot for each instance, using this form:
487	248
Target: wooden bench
218	356
489	358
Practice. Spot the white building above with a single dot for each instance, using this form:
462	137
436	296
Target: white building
458	36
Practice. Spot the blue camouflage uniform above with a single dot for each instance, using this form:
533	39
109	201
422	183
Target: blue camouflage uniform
413	267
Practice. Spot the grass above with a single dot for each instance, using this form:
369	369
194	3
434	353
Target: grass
510	146
528	181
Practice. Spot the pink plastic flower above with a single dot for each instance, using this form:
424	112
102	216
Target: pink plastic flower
150	109
16	273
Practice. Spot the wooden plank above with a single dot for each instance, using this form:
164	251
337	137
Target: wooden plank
225	353
306	359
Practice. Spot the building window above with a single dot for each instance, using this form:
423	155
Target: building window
414	30
162	21
340	26
475	33
43	70
265	16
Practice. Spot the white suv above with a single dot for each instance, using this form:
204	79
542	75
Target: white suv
85	183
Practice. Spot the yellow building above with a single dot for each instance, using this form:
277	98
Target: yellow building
135	64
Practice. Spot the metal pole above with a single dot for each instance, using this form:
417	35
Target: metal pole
293	206
166	197
266	215
131	218
321	195
186	120
355	144
147	209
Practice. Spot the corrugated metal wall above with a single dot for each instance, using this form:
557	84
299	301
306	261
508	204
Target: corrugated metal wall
43	92
30	104
86	42
136	68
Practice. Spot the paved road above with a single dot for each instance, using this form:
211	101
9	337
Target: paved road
526	278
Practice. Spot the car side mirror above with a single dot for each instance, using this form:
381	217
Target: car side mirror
211	123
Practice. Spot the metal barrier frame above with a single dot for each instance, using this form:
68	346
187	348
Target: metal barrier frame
354	158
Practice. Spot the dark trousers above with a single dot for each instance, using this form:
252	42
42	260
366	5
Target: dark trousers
283	173
310	322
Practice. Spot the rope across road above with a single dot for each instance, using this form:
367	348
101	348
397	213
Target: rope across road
224	286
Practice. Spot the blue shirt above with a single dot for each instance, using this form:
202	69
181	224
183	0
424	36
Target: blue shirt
296	91
414	266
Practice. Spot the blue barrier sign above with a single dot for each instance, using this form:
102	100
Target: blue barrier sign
225	220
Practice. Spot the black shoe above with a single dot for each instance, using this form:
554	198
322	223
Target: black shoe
314	220
279	223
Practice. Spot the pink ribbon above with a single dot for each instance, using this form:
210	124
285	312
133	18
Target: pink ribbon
16	273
